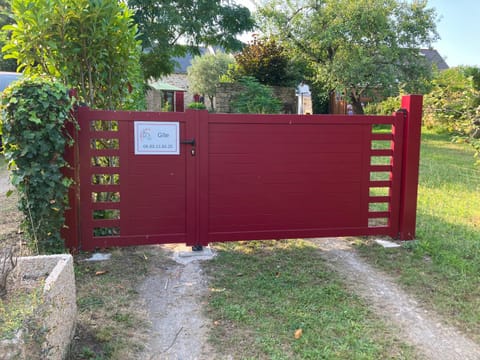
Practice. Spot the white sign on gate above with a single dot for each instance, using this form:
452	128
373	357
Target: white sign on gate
157	138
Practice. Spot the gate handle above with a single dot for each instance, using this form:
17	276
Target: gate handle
188	142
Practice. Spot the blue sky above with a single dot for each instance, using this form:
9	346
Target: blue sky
459	29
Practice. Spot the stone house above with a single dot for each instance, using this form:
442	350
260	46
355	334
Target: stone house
172	87
177	80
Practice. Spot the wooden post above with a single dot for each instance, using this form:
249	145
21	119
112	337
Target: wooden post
410	166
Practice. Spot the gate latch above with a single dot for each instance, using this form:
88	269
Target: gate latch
188	141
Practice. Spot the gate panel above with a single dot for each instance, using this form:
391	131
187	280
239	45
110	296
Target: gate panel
129	199
280	177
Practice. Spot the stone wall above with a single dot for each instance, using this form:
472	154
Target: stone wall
56	313
154	100
226	92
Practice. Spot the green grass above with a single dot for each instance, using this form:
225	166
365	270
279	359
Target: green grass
110	315
3	165
15	310
443	266
262	292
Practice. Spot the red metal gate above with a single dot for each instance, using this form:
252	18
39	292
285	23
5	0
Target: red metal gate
244	177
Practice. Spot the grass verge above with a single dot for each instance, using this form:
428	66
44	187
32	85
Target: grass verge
110	314
443	266
262	293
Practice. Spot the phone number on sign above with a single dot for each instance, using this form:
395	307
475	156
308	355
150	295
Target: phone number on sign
158	146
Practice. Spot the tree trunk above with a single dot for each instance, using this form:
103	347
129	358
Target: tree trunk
211	103
356	104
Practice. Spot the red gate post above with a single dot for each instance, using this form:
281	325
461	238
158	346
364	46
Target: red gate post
71	230
410	166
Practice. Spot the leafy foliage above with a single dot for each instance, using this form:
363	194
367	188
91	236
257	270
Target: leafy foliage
265	60
90	45
359	46
385	107
197	106
205	72
5	64
196	22
453	105
34	113
256	98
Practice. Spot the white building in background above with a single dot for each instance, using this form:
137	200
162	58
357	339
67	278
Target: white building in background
304	99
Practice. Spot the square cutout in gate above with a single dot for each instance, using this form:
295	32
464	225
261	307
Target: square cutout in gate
106	231
103	144
379	191
105	196
106	161
377	222
107	214
104	125
106	179
380	160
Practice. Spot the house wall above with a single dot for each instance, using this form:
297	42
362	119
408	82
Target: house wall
154	100
226	92
178	80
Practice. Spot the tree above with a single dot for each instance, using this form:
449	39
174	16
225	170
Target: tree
173	28
267	61
362	47
90	45
5	64
205	72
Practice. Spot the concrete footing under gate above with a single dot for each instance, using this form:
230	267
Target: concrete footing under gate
387	243
183	254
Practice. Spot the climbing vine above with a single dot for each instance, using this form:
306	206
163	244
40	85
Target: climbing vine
34	114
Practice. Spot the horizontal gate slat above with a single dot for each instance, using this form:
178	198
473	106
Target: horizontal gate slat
379	199
382	137
297	233
106	223
101	170
381	168
106	206
378	214
380	183
381	152
113	241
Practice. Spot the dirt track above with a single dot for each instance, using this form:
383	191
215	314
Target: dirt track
180	330
419	327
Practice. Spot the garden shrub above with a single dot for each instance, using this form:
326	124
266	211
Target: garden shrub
34	115
197	106
452	103
386	107
256	98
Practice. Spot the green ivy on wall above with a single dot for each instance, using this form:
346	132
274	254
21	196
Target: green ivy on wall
34	114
